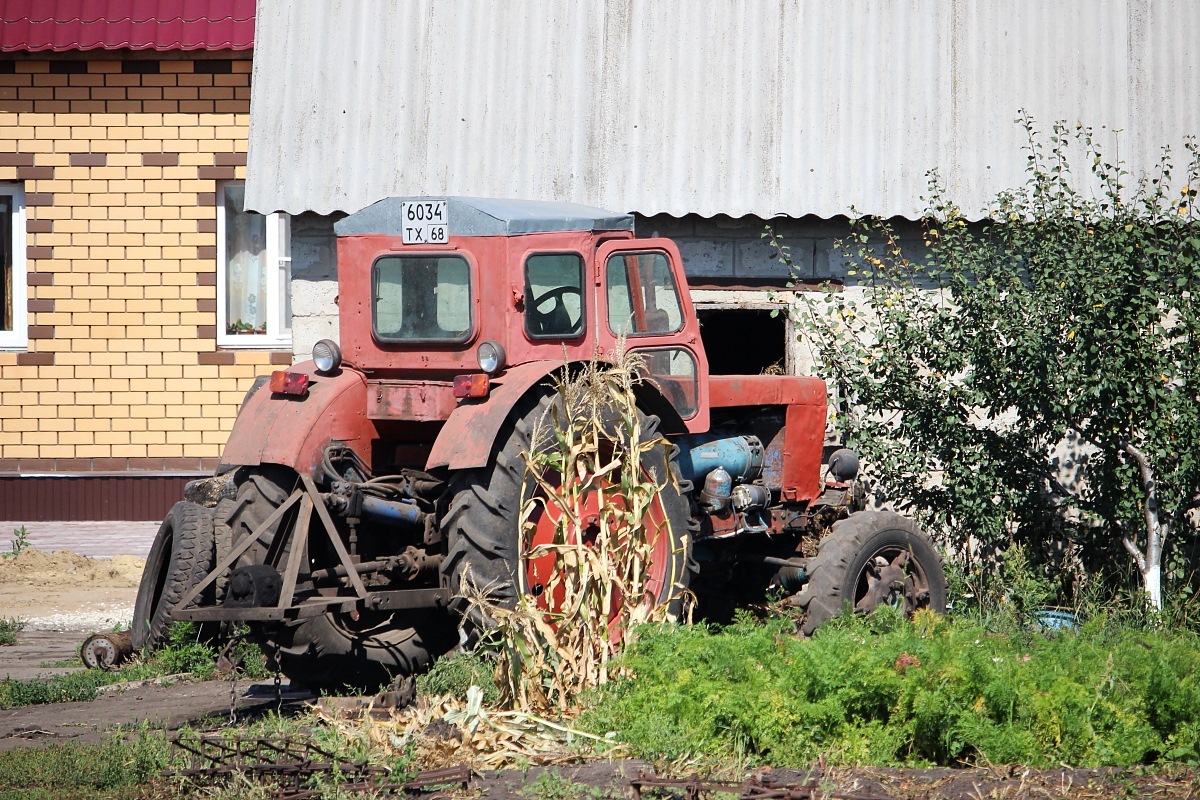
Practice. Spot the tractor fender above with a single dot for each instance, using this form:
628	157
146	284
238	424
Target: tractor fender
465	441
295	430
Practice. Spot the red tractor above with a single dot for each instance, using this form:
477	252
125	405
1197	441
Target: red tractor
357	490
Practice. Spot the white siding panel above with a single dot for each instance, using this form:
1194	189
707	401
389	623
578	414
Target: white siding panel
701	106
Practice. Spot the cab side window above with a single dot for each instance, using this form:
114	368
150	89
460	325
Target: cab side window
642	298
554	299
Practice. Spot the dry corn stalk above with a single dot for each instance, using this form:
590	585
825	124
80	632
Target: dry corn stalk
587	456
445	730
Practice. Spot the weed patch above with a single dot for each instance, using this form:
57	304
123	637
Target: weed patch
454	674
889	692
19	543
8	631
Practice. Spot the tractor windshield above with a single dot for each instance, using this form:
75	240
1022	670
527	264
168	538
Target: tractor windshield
421	298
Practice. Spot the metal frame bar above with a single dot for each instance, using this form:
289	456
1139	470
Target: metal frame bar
309	498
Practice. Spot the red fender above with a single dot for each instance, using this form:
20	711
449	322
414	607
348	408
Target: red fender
465	441
294	431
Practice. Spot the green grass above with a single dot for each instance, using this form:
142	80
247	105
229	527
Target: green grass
121	767
8	631
182	654
885	691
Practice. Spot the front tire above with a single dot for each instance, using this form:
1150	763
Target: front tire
869	559
180	557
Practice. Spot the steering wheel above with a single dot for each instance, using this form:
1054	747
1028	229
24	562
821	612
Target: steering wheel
555	320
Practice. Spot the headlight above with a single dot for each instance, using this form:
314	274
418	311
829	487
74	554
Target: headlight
491	357
327	355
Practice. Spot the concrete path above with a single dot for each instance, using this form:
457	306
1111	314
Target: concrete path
103	539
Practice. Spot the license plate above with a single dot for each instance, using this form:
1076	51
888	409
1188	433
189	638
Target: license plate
425	222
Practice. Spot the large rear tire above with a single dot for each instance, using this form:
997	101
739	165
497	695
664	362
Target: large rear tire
483	516
869	559
331	650
180	557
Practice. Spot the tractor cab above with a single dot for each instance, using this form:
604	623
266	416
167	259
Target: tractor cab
463	290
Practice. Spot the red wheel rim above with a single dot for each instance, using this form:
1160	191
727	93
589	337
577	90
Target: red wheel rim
539	570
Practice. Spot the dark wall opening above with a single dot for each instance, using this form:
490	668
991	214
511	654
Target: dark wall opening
743	341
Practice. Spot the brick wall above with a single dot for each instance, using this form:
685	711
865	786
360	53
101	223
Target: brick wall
120	162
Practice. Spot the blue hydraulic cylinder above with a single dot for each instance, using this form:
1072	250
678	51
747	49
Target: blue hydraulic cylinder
395	512
699	454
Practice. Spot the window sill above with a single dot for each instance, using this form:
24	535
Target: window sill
253	343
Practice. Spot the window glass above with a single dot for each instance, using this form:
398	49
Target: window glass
13	304
254	274
421	298
673	371
642	298
554	295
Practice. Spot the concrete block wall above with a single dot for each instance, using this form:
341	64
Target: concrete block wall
120	162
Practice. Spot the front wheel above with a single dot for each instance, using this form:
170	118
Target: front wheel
869	559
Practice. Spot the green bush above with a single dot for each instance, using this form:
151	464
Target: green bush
886	691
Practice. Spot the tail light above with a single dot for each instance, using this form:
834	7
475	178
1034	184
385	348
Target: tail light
294	383
475	385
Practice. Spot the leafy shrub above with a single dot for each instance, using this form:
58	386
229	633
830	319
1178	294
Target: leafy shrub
887	691
1031	377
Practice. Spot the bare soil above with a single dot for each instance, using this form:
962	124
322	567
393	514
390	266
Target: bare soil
63	597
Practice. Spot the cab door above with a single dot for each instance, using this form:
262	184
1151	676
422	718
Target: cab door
642	295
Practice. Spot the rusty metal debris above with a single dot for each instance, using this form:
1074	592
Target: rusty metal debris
291	765
106	650
755	788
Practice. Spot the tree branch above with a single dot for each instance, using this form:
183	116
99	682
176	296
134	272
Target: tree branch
1150	507
1138	558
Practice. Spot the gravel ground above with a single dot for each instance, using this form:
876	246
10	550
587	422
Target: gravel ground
88	621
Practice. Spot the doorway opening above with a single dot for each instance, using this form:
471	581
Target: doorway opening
744	341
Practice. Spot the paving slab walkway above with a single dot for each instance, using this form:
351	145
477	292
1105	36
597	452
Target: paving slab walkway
102	539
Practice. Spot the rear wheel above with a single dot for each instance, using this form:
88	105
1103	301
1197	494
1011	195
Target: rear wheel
335	649
180	557
483	518
869	559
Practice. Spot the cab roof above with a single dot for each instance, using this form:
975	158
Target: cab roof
476	216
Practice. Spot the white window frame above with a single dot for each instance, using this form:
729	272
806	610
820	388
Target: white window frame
18	337
279	261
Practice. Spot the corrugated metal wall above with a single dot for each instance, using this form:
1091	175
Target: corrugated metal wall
91	497
700	106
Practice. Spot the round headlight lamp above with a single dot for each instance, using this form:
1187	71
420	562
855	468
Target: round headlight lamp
327	356
491	357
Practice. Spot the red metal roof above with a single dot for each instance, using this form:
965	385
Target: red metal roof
60	25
